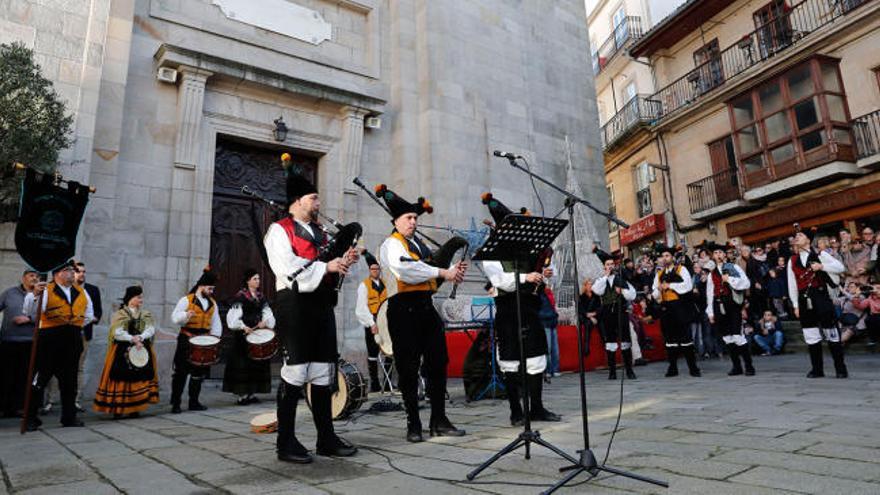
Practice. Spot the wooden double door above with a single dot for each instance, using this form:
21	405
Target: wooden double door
238	221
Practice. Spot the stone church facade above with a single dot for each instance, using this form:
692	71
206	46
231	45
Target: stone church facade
450	81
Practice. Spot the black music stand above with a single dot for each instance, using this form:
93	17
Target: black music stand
519	240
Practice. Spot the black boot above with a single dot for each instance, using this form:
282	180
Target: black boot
537	411
287	446
33	417
746	355
329	443
612	364
373	368
672	357
195	388
733	352
817	368
837	355
178	381
690	356
628	364
413	422
511	382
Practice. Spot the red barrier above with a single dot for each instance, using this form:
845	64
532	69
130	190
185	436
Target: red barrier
459	342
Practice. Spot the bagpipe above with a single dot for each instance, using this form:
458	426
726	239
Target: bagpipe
439	258
339	242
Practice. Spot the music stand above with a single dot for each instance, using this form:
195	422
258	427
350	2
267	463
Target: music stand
519	240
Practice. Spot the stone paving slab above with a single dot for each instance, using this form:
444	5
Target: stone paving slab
774	433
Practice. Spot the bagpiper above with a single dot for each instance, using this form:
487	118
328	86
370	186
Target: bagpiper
724	303
616	294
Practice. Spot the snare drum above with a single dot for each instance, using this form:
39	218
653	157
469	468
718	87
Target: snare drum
265	423
138	357
352	391
261	344
204	350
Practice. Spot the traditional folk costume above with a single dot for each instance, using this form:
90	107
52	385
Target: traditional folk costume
205	320
675	315
724	302
614	317
306	328
808	291
415	326
371	294
65	310
126	388
244	376
502	277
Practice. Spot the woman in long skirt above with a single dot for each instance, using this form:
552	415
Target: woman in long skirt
249	311
129	383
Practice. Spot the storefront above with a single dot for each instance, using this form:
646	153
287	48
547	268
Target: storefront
639	236
849	208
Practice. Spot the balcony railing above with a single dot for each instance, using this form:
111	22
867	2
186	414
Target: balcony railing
763	43
714	190
625	32
867	131
637	112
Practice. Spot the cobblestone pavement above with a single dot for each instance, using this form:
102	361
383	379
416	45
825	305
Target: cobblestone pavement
777	432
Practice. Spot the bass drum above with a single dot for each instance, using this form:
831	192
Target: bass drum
352	391
383	337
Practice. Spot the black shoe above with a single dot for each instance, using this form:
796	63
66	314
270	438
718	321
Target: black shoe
640	362
630	375
445	428
517	420
612	374
34	424
545	415
134	415
750	370
842	374
254	400
295	457
671	371
735	372
414	434
337	447
73	423
695	372
175	409
197	406
242	401
815	374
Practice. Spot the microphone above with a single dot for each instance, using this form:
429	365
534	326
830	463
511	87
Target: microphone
506	154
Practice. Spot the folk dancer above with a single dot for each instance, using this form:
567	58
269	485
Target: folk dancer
126	389
616	294
196	313
371	294
724	302
809	275
672	285
248	312
305	321
415	326
506	325
67	307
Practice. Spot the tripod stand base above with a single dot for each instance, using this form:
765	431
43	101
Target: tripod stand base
588	463
526	438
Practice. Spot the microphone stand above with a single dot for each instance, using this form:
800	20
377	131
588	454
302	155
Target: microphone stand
587	461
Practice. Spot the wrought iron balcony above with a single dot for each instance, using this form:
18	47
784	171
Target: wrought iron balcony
639	111
763	43
867	131
714	191
625	32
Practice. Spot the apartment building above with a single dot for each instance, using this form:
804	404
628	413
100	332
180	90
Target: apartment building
765	113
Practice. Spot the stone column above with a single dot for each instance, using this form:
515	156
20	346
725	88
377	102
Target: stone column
350	152
184	211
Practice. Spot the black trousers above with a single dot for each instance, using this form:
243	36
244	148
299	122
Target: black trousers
183	369
58	352
418	338
14	361
729	320
675	323
372	346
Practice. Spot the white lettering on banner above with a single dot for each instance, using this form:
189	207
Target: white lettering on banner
279	16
